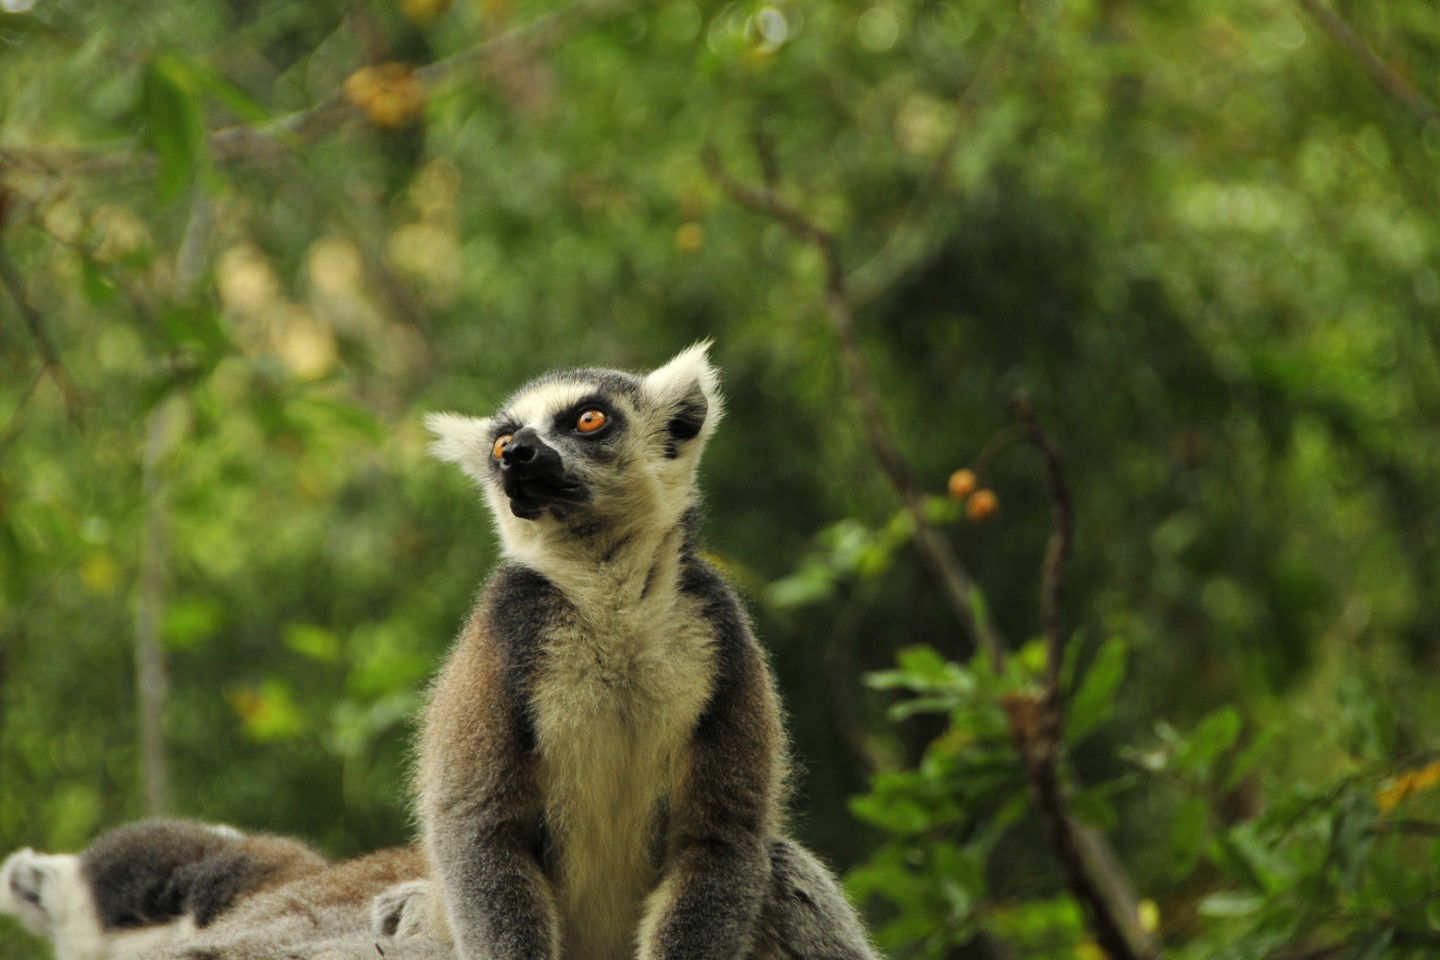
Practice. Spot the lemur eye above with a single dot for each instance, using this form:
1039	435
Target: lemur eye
501	442
590	421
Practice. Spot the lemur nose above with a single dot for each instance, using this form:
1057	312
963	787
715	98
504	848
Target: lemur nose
518	452
523	450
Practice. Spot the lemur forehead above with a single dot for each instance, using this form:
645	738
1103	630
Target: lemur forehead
543	397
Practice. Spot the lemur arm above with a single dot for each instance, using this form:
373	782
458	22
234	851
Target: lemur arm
481	806
709	900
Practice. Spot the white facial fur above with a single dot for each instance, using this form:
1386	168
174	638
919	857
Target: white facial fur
636	487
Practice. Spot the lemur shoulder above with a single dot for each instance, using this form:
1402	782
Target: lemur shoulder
602	762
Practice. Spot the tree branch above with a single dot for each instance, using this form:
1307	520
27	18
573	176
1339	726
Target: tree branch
1416	828
1399	938
1034	720
959	585
1036	724
1057	551
1384	75
910	244
244	143
35	324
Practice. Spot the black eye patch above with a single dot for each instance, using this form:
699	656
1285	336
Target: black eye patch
565	421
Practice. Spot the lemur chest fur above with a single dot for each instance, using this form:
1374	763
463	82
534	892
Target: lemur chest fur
616	697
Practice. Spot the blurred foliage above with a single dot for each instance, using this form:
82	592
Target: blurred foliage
1197	235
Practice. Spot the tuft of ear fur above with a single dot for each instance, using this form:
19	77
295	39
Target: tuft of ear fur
464	441
688	389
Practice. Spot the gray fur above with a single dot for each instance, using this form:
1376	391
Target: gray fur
157	871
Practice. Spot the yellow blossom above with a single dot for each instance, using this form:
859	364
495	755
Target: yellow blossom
389	94
1411	781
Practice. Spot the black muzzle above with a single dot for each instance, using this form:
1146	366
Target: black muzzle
534	477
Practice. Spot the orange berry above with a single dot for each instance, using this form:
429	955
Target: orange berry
962	483
982	505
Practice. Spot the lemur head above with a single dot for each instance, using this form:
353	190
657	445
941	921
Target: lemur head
579	454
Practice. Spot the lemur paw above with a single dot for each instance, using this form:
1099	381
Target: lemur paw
27	885
400	911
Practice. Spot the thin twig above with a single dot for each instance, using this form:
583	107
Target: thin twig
12	425
1415	828
1002	439
1398	938
35	323
1057	551
1036	723
1384	75
1035	733
959	585
909	244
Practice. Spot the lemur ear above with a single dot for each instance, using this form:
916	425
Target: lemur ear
688	389
464	441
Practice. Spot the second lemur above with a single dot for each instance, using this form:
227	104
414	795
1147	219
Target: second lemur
603	758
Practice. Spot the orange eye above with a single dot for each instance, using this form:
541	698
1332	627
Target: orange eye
590	421
501	442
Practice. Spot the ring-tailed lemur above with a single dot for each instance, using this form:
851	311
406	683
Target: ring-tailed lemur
602	759
174	890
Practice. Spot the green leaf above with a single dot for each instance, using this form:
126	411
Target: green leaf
315	643
202	77
813	583
1071	664
1032	658
1094	702
979	606
173	120
1094	809
354	725
349	416
1229	904
941	510
1095	804
960	876
1368	718
1374	946
925	666
189	621
922	669
268	712
896	814
1246	760
1187	832
906	709
99	291
1252	859
13	569
1213	735
195	328
1350	839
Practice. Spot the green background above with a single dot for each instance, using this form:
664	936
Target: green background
1199	236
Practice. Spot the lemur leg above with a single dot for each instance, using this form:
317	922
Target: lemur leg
806	915
407	911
